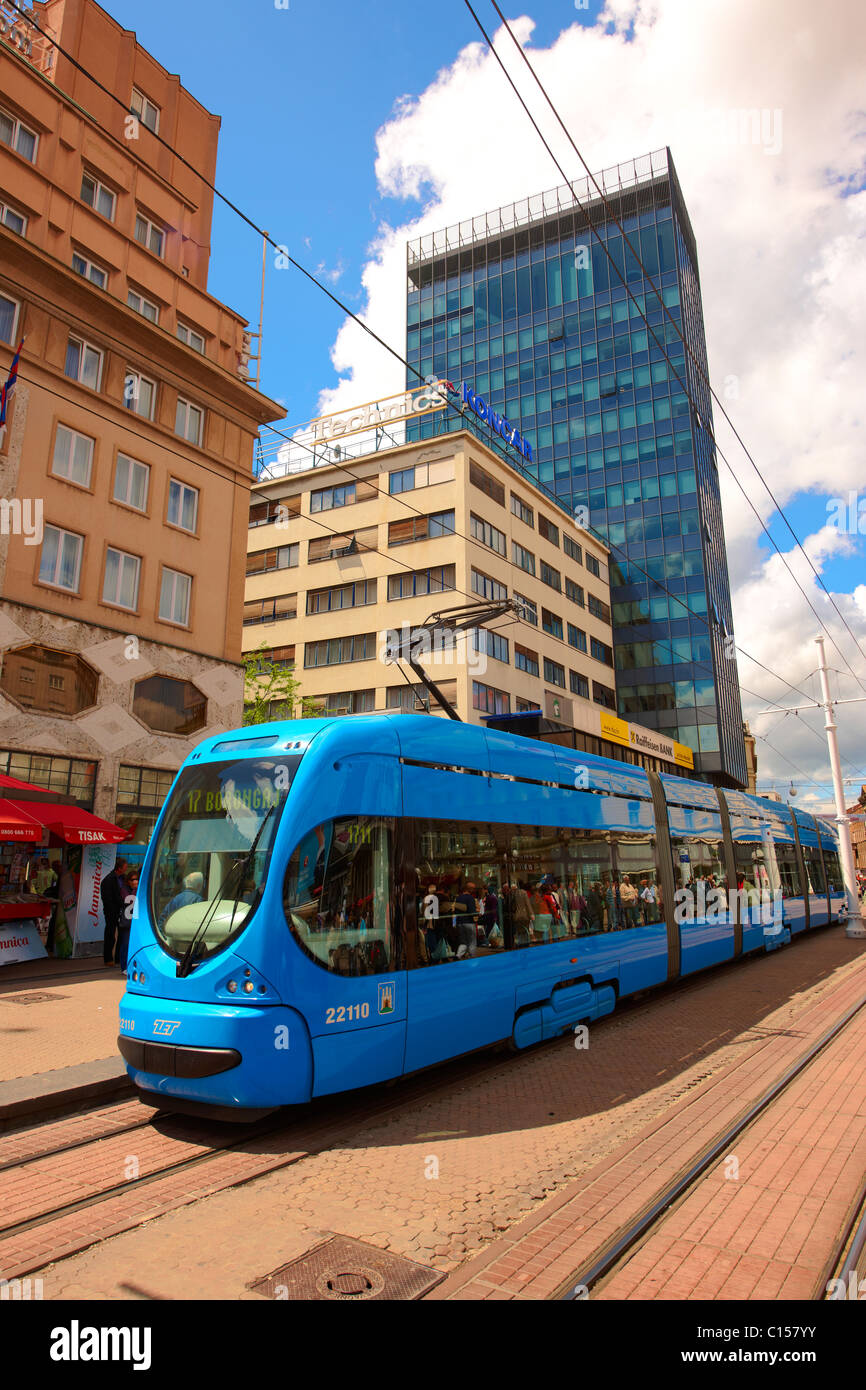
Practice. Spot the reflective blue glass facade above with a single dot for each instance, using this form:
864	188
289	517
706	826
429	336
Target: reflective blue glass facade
524	305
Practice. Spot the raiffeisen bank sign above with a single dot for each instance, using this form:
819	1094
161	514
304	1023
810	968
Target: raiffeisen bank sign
497	423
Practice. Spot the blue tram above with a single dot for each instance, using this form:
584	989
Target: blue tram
329	903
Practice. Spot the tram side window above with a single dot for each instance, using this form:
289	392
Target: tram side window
556	882
749	864
815	870
789	871
834	871
640	891
338	896
459	892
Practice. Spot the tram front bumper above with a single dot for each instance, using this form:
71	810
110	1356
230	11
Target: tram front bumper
247	1055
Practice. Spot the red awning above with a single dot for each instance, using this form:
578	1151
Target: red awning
71	823
12	785
15	824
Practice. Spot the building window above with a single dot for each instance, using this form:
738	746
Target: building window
550	576
141	792
121	579
139	394
18	137
551	624
270	610
73	777
149	235
574	592
97	196
480	478
8	318
600	651
131	481
15	221
420	528
169	706
342	596
190	337
421	475
576	637
521	510
265	513
488	535
572	550
53	682
592	565
145	307
554	673
146	110
578	684
415	583
182	505
326	498
188	422
281	557
83	363
523	558
488	700
526	660
528	609
598	609
337	651
345	702
526	706
174	595
491	643
548	530
488	588
603	695
348	543
281	657
89	270
73	456
60	562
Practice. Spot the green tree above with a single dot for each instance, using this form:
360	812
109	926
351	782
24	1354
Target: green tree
268	682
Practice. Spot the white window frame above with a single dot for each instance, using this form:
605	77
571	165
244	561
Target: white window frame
175	576
89	267
123	555
134	464
17	127
140	110
71	436
139	308
52	583
5	210
184	488
133	395
98	187
88	347
186	406
16	305
150	229
184	328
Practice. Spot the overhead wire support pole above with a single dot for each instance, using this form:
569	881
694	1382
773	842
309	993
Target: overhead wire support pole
856	925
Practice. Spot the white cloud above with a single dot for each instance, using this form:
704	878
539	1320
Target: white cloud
782	250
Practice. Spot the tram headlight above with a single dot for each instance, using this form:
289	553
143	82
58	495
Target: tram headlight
142	978
232	986
248	986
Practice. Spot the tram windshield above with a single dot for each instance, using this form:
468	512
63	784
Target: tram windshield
213	851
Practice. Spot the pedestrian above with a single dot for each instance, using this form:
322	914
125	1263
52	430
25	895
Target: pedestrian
126	919
466	913
629	902
113	892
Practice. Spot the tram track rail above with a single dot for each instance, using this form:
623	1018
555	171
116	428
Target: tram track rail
613	1255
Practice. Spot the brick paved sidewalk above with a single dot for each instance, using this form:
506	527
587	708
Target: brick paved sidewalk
76	1023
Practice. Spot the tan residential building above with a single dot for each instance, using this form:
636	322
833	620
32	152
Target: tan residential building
344	560
126	463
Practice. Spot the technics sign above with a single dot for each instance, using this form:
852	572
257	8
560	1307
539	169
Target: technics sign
420	400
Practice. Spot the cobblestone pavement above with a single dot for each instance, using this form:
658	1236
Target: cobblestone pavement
440	1180
77	1024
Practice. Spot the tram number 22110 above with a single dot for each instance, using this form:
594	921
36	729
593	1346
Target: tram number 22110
346	1013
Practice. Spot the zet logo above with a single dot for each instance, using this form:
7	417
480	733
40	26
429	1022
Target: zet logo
164	1027
386	998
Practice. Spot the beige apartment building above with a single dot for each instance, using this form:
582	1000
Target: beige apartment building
126	464
343	560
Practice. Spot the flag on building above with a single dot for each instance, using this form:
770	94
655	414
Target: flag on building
9	387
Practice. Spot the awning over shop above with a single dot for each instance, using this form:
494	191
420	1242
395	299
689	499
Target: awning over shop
17	825
71	823
10	785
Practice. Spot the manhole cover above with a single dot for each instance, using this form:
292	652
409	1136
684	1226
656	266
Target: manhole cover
345	1270
37	997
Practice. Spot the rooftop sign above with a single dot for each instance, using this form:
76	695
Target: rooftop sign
419	400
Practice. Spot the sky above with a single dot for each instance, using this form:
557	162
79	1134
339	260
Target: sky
348	129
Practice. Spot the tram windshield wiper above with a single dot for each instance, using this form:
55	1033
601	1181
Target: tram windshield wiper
239	867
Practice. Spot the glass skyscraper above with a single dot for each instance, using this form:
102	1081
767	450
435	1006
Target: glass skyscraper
523	305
